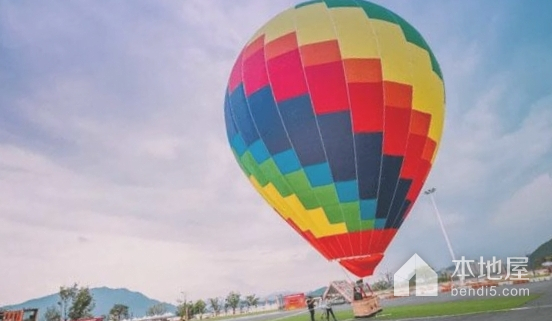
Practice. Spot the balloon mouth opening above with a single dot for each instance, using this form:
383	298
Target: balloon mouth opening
361	266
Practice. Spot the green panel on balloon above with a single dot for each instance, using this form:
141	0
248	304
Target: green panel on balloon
333	213
282	186
249	162
327	195
307	3
240	163
340	3
299	181
413	36
376	12
308	199
273	175
351	211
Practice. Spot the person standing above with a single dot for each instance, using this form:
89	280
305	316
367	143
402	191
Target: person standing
327	304
310	306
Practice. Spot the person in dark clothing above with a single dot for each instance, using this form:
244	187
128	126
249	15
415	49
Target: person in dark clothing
357	295
310	306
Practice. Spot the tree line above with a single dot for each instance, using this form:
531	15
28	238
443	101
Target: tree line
233	301
78	302
74	303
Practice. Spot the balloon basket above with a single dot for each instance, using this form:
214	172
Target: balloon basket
367	307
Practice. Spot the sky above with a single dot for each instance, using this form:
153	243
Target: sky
115	169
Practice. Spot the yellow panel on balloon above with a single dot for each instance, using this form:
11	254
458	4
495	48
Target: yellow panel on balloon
354	32
290	207
280	26
394	53
313	24
320	225
428	90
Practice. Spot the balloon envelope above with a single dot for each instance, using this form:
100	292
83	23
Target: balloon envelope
334	111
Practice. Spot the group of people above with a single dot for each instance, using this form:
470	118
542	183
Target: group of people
325	304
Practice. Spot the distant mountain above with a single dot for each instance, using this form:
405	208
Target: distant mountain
104	298
538	256
318	292
273	297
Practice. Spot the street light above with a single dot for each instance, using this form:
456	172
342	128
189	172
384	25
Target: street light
430	193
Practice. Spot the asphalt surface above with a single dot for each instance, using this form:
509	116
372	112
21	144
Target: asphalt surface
536	310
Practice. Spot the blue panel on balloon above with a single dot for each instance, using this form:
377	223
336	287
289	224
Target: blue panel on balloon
259	151
398	200
404	208
391	169
368	209
319	174
380	224
368	148
242	117
300	124
337	138
238	145
287	162
266	117
231	129
347	191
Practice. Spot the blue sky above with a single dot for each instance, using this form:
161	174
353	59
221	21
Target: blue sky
115	171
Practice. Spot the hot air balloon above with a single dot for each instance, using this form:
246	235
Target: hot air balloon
334	111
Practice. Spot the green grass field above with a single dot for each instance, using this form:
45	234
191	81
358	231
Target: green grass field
434	309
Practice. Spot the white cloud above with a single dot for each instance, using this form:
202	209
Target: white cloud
115	170
529	209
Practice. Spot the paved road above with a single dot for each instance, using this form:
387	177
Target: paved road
536	310
537	287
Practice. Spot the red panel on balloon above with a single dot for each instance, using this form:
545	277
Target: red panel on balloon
380	241
364	266
419	123
421	173
419	127
320	53
281	46
254	72
413	155
429	149
385	236
397	122
327	87
422	170
363	70
253	47
366	106
236	74
397	95
286	76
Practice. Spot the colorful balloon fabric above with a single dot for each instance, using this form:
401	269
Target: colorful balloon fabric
334	111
